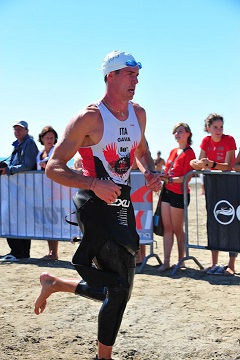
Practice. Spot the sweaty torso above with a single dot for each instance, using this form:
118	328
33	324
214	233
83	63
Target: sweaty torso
112	156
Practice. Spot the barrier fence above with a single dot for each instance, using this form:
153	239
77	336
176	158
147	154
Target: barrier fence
212	221
33	206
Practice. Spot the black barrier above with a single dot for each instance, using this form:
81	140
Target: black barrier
222	193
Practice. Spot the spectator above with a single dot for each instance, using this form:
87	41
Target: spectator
48	138
217	153
172	207
159	162
77	163
23	158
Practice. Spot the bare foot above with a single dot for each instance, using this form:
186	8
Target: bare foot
182	266
163	267
51	284
49	257
47	282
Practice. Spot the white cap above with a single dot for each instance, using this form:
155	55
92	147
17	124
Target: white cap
117	60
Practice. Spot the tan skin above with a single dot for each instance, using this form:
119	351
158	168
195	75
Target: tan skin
20	134
86	129
159	164
216	132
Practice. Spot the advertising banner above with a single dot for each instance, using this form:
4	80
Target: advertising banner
222	193
142	201
33	206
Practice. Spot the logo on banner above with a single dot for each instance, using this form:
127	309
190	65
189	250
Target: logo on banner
224	212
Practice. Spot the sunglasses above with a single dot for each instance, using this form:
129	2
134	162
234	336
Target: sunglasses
133	63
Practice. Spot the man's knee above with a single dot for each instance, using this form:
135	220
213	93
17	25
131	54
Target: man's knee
118	296
95	293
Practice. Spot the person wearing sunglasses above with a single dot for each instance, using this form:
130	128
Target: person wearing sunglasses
108	135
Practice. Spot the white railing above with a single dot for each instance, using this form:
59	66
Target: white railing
33	206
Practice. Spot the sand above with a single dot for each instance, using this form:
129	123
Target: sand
189	315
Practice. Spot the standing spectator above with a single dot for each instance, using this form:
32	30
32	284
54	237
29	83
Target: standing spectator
108	134
48	138
23	158
172	207
217	153
159	162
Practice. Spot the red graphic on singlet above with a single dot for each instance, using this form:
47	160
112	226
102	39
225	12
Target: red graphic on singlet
119	163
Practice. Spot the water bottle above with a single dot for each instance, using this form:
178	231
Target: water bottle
155	220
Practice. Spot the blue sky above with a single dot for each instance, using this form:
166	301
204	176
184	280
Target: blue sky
51	52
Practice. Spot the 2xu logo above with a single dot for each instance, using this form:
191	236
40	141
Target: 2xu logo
120	202
224	212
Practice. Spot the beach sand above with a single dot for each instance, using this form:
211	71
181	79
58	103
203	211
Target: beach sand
189	315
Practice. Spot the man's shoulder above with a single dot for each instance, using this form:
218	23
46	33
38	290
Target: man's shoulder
137	107
86	120
89	111
140	113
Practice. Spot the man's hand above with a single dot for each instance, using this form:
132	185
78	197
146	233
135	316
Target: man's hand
153	181
106	190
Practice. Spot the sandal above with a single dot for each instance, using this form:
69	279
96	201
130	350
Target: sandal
220	270
212	270
229	272
9	258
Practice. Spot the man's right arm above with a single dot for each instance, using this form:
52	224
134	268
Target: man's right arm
82	130
76	132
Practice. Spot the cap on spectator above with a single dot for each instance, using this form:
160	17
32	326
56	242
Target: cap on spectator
117	60
21	123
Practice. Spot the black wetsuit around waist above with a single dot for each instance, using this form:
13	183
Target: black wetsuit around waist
101	222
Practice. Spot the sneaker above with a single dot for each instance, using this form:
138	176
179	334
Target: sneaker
9	258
